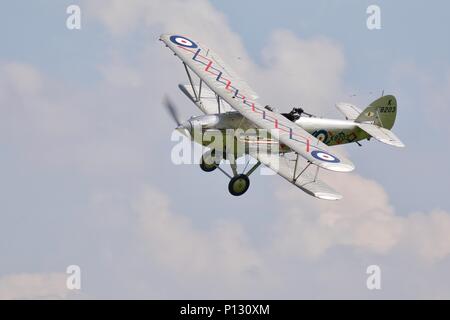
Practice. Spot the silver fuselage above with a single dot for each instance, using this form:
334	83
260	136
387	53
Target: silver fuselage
330	131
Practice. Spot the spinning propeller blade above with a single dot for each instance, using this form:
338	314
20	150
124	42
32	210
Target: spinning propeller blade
172	110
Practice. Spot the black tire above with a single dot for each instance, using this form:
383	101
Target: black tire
207	167
239	185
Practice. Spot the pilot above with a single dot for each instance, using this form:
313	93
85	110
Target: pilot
297	111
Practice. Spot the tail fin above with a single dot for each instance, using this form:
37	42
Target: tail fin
382	112
378	118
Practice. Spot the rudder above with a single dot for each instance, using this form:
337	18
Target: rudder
382	112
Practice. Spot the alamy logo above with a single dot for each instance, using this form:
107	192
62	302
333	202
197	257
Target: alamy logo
374	18
73	281
73	22
374	279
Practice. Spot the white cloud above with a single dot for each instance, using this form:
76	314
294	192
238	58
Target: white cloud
191	17
428	234
301	71
221	254
222	259
33	286
364	220
57	125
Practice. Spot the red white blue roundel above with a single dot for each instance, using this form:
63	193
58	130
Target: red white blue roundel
183	41
324	156
321	135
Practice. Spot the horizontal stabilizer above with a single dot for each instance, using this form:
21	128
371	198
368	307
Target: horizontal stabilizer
306	181
350	111
381	134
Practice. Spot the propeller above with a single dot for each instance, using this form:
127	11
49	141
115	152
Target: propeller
172	110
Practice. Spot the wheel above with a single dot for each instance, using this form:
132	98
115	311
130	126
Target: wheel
239	185
207	167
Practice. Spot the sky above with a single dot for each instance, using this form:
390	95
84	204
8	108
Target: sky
87	176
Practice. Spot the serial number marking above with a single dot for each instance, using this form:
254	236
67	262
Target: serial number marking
387	109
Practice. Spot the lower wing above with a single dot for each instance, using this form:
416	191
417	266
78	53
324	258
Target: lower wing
296	175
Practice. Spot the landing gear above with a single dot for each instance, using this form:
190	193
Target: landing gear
207	167
208	161
239	185
239	182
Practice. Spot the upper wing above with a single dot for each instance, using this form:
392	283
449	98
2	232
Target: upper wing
219	80
211	62
229	73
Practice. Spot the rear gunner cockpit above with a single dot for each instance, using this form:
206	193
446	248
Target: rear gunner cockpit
294	115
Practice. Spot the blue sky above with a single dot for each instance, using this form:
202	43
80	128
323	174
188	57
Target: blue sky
410	30
86	146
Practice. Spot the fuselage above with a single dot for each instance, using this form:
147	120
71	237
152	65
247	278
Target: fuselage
330	131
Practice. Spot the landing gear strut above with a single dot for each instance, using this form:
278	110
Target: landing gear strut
239	182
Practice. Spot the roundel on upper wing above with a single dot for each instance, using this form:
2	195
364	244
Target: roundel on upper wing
320	155
183	41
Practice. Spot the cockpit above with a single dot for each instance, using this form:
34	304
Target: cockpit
294	115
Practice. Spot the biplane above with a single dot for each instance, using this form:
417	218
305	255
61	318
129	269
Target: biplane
302	141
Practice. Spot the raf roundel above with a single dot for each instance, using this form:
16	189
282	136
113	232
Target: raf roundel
324	156
184	42
321	135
